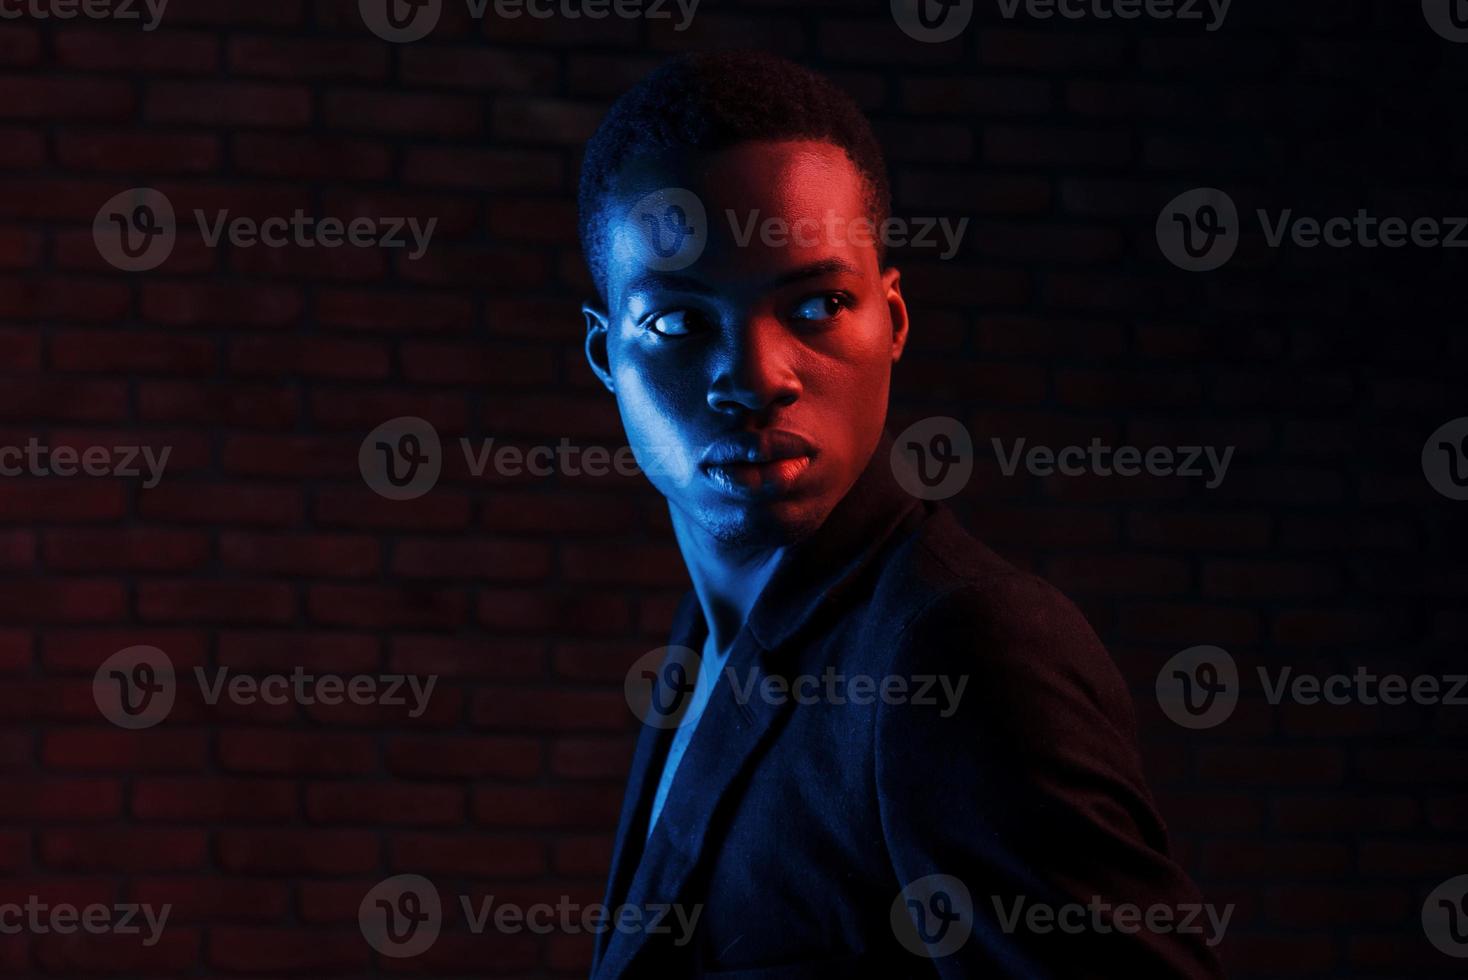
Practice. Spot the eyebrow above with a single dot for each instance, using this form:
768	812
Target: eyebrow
651	282
825	267
659	281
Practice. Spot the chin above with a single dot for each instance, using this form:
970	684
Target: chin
768	523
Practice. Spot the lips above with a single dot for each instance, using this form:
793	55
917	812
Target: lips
765	446
753	463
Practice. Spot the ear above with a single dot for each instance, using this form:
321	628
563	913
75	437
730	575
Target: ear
596	343
896	310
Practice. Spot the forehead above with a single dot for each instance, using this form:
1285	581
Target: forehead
753	197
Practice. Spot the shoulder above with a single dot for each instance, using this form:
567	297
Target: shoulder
957	608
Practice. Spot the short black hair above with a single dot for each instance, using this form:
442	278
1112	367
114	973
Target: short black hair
710	101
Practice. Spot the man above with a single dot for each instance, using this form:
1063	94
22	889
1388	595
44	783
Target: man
814	829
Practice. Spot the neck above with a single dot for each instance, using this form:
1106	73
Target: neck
726	579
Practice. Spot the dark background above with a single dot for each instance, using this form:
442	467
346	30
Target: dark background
262	548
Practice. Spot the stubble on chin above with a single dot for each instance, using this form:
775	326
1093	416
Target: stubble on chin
763	525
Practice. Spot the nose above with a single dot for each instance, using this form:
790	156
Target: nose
755	370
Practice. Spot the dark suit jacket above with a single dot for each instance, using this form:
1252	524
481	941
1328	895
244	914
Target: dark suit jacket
796	827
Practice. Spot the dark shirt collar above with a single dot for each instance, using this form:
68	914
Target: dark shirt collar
819	568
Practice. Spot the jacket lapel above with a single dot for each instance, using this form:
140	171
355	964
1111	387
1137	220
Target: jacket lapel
811	575
728	736
647	763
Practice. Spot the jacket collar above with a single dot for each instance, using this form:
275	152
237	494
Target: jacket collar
819	569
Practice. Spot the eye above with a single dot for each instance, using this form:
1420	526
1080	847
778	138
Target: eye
821	309
676	323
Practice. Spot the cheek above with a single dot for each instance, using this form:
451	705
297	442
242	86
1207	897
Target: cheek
851	388
656	417
857	368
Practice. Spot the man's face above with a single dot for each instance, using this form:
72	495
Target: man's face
753	380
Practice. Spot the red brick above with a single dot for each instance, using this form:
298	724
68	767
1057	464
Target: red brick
286	57
57	98
128	850
213	799
162	51
123	549
229	104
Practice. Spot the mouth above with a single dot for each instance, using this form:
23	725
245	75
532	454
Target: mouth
754	464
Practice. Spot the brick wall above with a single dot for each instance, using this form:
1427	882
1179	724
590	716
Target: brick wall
263	550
